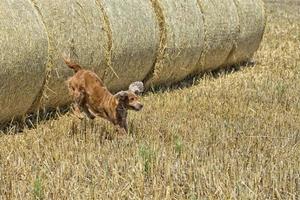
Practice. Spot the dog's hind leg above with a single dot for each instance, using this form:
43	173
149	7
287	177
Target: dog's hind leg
81	104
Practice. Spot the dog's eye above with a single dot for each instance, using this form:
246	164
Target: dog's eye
131	99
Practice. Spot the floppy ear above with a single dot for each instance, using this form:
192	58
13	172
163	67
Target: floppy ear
136	87
122	95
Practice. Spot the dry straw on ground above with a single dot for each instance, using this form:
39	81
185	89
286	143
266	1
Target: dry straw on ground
74	27
227	136
134	41
221	27
182	39
23	55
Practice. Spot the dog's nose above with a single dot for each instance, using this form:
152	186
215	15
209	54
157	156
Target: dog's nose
138	107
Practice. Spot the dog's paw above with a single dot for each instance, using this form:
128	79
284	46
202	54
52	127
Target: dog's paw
78	115
121	131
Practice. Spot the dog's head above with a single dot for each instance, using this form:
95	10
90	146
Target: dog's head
130	99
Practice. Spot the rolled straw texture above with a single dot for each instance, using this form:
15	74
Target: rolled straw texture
221	31
134	33
182	40
76	28
23	55
159	42
252	22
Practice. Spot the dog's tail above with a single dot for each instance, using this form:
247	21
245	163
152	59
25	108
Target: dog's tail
71	64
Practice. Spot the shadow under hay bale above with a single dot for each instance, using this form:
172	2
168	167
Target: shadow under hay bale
23	55
193	79
32	120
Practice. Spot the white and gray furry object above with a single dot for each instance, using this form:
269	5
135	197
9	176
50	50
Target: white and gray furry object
137	87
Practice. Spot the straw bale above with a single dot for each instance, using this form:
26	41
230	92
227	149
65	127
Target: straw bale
23	55
252	22
74	27
135	40
157	41
182	40
221	30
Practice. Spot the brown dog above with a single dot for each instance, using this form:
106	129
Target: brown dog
93	98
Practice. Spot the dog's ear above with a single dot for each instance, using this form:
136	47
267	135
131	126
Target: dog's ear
136	87
122	95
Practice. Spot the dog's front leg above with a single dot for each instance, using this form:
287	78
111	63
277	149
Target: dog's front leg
79	103
77	111
121	130
123	125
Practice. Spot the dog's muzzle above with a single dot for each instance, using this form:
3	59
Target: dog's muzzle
137	107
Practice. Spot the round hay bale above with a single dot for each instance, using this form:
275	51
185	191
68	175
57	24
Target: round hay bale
157	41
134	34
221	30
74	27
252	22
23	55
182	40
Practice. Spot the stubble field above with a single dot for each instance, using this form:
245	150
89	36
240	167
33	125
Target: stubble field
232	134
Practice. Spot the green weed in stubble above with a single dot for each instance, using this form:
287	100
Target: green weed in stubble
178	145
147	156
280	89
193	197
37	189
